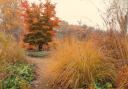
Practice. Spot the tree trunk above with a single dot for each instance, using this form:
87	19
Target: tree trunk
40	47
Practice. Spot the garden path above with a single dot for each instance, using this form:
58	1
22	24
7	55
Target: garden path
40	65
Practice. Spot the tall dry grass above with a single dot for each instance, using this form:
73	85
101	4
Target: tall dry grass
77	64
10	52
122	78
114	46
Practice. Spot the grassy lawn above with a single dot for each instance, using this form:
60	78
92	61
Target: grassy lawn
33	53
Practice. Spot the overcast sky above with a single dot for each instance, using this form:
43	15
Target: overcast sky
76	10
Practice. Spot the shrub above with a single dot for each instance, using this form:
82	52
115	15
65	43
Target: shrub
77	64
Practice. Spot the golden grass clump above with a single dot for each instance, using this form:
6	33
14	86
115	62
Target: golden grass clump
77	64
115	48
122	78
10	51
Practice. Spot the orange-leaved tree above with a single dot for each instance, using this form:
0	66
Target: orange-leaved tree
39	21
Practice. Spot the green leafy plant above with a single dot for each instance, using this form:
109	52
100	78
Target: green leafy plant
103	83
13	82
20	75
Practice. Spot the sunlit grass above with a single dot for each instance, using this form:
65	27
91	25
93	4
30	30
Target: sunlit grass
77	64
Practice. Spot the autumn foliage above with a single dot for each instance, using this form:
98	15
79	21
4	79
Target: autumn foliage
39	21
9	15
